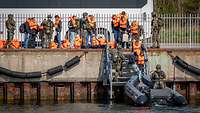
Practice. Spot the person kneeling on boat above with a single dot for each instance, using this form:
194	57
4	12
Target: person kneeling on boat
157	77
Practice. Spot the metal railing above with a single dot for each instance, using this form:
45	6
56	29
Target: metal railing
179	31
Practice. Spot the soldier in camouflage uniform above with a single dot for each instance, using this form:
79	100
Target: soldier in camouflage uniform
156	25
11	27
158	76
48	25
83	28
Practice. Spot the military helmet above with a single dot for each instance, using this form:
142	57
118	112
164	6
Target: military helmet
85	14
49	16
153	14
10	15
158	67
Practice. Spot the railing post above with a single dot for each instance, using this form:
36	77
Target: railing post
190	31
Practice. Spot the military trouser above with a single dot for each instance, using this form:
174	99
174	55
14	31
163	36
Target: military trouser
156	40
46	40
83	35
10	35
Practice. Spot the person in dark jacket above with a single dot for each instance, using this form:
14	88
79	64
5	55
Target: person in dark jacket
33	33
26	33
58	28
11	27
115	29
72	25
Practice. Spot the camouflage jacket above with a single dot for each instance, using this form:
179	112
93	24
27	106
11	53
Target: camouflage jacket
11	25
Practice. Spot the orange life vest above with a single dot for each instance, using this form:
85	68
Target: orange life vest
77	42
116	22
102	41
137	47
65	44
134	28
140	59
15	44
95	42
123	24
92	21
2	43
111	44
33	25
53	45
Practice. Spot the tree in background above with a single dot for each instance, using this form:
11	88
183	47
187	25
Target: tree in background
177	6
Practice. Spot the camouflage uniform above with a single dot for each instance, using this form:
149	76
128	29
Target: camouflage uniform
48	31
83	28
156	25
11	26
42	34
158	76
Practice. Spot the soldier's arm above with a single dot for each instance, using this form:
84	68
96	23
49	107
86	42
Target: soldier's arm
163	75
7	25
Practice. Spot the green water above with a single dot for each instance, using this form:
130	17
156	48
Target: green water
49	107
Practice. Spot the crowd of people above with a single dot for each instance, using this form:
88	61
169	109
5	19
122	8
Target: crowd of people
81	32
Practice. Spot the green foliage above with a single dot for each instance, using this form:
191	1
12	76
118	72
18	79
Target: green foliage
191	6
177	6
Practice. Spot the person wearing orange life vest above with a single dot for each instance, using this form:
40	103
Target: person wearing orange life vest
137	47
115	28
136	30
33	32
141	61
72	25
123	13
123	26
58	28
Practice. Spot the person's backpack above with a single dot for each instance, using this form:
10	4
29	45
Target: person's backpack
22	28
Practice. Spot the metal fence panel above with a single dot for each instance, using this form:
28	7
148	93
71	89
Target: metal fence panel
179	31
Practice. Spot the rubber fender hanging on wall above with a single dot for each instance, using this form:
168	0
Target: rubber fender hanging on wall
194	70
184	65
5	71
10	73
37	74
180	62
55	70
18	74
72	62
